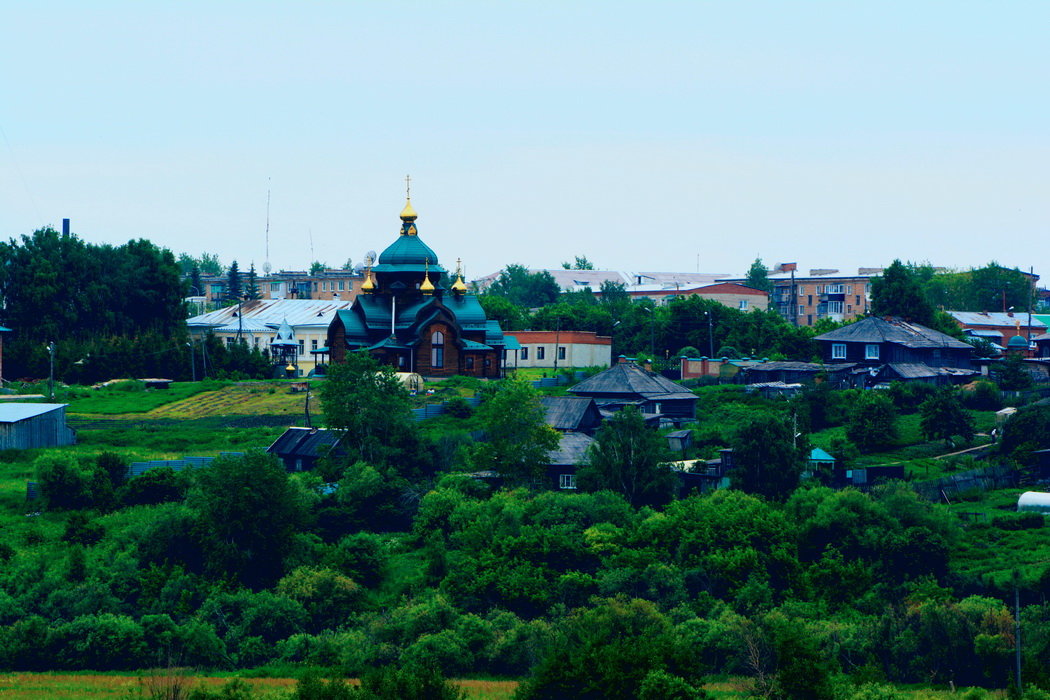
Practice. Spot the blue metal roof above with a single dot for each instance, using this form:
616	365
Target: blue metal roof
14	412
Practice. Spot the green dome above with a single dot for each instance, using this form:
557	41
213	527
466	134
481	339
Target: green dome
408	250
1017	342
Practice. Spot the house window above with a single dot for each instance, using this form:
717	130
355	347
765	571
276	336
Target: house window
469	362
849	289
871	351
820	289
524	353
801	291
313	344
858	300
302	347
834	307
540	352
838	351
315	286
742	305
801	310
833	289
275	286
566	481
437	349
561	352
849	308
340	285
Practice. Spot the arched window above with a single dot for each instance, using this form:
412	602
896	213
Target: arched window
437	349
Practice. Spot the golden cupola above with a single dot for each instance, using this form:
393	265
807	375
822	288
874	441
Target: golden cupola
459	287
427	287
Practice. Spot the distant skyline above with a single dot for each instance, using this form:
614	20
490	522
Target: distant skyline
831	134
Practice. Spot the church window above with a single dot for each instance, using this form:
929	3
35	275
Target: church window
437	349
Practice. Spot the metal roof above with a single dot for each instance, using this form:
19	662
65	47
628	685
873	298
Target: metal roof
819	455
572	449
627	378
14	412
995	318
570	412
298	312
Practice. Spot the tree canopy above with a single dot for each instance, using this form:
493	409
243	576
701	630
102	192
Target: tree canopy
630	458
524	288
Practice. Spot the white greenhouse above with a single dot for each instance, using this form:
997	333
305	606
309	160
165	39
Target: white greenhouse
1034	502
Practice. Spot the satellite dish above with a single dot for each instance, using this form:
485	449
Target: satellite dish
266	267
370	258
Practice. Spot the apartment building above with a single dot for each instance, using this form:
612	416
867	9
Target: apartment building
823	293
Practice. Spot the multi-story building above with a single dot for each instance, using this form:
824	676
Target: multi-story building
561	349
831	294
331	285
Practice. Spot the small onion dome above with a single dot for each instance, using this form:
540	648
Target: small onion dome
408	213
458	286
368	285
1017	343
427	287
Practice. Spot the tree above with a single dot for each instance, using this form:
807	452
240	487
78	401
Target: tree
233	282
251	290
317	267
370	404
251	512
510	316
1011	375
517	437
630	458
581	263
196	288
897	293
872	421
943	416
524	288
767	457
758	276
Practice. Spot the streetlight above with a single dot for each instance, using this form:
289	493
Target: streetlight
710	336
51	372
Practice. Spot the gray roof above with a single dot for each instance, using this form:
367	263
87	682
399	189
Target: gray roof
628	379
568	412
298	313
571	449
995	318
1039	338
305	442
917	370
874	329
14	412
784	365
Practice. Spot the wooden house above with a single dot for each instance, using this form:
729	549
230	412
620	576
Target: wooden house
893	349
563	462
626	384
572	413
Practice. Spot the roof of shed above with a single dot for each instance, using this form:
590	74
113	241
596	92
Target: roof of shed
305	442
874	329
995	318
14	412
298	312
566	412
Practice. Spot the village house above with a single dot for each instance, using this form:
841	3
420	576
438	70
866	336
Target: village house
998	327
559	349
660	400
888	350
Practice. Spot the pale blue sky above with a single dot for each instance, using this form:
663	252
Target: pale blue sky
642	135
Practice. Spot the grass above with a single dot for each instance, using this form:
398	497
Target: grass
88	686
130	397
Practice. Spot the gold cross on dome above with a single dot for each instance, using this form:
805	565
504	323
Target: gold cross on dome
408	186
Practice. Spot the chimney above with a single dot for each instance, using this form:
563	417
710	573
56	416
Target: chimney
622	360
65	227
648	365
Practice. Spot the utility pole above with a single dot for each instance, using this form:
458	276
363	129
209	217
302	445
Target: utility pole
1017	629
193	362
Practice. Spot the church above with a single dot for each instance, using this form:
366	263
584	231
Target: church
409	315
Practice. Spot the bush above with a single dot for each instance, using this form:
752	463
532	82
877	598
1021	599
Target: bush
982	395
1020	521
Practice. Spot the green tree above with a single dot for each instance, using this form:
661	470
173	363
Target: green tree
872	422
510	316
251	512
517	437
943	417
317	267
525	288
251	289
630	458
1011	374
233	282
767	457
370	404
581	263
758	276
897	292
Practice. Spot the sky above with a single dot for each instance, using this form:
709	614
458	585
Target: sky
656	136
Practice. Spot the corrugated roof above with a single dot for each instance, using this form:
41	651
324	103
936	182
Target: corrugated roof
14	412
299	312
819	455
874	329
305	442
995	318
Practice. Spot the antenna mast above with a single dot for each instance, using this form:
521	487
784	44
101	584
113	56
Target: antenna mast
266	263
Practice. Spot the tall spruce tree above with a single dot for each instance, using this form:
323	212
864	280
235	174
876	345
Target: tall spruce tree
233	282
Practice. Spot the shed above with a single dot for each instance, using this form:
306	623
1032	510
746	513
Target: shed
1034	502
25	426
300	448
680	440
818	458
1004	414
